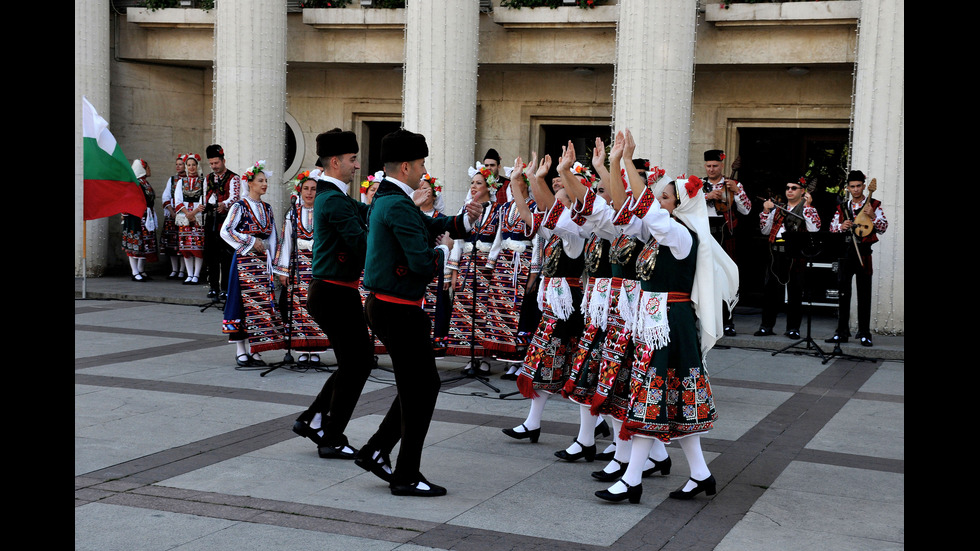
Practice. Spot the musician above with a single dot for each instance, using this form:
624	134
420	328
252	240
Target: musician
721	194
224	188
785	271
850	265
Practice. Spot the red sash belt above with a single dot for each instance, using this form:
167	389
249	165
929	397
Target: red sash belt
678	297
351	284
397	300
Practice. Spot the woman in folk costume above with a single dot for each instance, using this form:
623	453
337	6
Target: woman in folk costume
436	302
139	238
546	366
368	189
188	205
516	265
469	270
251	318
304	333
169	240
685	276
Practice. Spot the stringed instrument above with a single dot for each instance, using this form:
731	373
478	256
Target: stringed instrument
724	204
863	223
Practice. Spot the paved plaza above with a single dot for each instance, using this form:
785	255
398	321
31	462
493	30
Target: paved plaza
176	449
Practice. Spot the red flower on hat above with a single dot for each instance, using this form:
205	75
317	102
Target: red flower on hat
802	181
693	185
722	157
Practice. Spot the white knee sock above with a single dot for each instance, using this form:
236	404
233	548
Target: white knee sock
533	420
586	430
695	459
134	265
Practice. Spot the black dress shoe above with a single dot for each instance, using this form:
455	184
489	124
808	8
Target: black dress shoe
243	360
222	296
763	332
303	429
603	476
602	428
587	452
412	489
256	362
866	340
632	493
212	294
336	452
663	467
532	434
793	333
729	331
707	486
836	339
376	465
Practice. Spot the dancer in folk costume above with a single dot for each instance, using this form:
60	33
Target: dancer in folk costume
139	238
189	195
368	188
436	303
469	270
304	333
548	361
516	263
251	318
169	240
685	276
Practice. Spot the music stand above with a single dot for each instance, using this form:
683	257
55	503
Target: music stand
472	372
807	245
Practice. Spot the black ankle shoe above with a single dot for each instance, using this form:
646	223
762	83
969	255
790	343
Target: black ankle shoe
587	452
662	466
602	428
303	429
632	493
707	486
603	476
532	434
763	332
605	456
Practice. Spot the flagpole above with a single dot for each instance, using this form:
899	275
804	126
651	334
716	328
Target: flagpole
84	253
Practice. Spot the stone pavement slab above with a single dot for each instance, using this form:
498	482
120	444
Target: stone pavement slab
176	449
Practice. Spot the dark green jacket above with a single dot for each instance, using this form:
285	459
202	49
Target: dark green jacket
339	234
400	258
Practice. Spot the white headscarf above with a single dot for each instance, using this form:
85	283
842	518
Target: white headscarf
716	276
138	168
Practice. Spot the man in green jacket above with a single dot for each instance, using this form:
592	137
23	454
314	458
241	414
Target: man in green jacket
339	244
401	261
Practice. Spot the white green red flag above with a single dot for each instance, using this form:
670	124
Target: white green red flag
110	184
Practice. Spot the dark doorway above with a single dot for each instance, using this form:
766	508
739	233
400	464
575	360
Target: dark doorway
771	157
374	131
582	136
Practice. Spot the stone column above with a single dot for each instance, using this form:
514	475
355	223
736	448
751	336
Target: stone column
439	97
878	149
250	89
653	86
91	81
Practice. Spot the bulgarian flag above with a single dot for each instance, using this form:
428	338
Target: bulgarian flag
110	184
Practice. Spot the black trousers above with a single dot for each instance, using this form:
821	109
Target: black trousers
404	330
217	253
784	273
338	312
849	268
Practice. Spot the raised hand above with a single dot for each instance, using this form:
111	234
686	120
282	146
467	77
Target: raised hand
544	167
599	153
616	153
629	146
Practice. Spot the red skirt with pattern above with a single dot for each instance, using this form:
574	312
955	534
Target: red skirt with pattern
169	242
504	298
305	333
191	240
461	329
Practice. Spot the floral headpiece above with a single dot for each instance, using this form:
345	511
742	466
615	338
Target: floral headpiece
249	174
194	156
582	172
296	184
486	173
436	186
371	179
802	181
653	174
722	156
692	184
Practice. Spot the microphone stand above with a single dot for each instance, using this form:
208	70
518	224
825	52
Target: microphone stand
287	359
472	370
